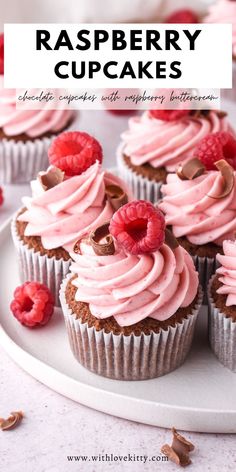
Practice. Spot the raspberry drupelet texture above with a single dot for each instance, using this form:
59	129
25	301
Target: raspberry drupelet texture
184	15
168	115
33	304
1	197
139	227
1	54
217	146
73	152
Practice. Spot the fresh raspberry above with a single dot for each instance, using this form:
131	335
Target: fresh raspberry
33	304
182	16
74	152
169	115
139	227
120	112
1	54
1	197
216	146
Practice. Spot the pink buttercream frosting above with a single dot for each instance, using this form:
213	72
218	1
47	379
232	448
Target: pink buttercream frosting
71	209
227	272
193	211
34	123
168	143
224	11
132	288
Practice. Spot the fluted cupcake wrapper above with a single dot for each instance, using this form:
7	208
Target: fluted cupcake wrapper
129	357
206	266
21	161
222	333
35	267
142	188
230	94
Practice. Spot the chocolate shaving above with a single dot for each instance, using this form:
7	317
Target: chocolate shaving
221	114
102	249
116	196
227	173
76	247
200	113
12	422
191	169
51	178
170	239
179	450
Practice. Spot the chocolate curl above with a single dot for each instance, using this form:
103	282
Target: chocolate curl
12	422
179	451
192	169
102	249
116	196
227	173
200	113
170	239
51	178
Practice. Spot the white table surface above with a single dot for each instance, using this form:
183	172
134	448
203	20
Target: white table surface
55	427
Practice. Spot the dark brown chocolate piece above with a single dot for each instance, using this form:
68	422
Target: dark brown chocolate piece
102	249
199	113
227	173
179	450
116	196
170	239
51	178
191	169
12	422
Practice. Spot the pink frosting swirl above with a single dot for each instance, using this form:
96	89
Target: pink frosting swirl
168	143
224	11
71	209
132	288
193	211
227	271
34	123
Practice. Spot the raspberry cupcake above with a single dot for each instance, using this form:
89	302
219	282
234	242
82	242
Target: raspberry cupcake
222	307
157	141
25	135
68	200
131	300
199	202
224	11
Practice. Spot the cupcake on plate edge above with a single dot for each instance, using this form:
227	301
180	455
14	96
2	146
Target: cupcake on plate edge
68	200
222	307
132	297
157	141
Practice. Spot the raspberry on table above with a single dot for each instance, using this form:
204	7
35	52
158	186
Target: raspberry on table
139	227
168	115
74	151
33	304
1	197
1	54
184	15
217	146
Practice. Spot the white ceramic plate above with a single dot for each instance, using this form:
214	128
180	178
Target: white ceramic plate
199	396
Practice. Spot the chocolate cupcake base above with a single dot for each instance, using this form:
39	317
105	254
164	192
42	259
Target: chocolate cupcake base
35	266
222	326
128	356
142	181
204	258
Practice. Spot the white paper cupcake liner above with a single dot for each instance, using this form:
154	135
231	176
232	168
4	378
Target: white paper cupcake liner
142	188
20	162
206	266
129	357
35	267
222	334
230	94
